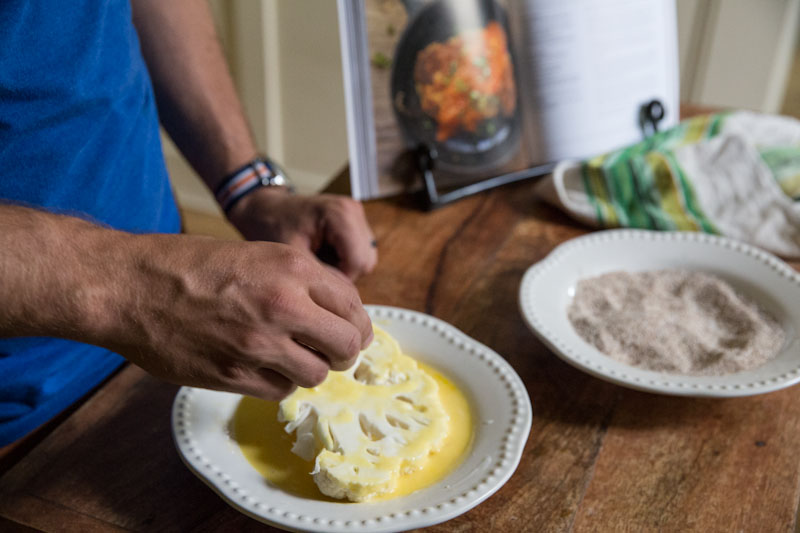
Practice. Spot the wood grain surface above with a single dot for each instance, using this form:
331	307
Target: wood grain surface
599	457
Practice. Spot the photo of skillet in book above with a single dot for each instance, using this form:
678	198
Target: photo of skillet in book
475	89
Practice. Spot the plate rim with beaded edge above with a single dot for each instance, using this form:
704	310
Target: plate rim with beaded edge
548	286
502	417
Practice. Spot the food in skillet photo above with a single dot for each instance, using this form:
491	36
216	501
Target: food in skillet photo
466	81
386	427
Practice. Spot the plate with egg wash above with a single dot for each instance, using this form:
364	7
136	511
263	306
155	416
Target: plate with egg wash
677	313
426	425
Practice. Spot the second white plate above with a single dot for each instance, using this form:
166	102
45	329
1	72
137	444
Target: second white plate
548	287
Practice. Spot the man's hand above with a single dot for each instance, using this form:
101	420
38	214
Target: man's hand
250	317
254	318
319	224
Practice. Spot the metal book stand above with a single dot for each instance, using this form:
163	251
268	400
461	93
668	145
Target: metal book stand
650	114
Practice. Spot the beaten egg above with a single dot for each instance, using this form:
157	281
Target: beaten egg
268	447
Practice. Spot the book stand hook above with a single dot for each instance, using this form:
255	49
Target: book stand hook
650	114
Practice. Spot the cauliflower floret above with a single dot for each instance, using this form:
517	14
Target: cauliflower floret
368	425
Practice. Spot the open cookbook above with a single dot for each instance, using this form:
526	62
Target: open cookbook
491	87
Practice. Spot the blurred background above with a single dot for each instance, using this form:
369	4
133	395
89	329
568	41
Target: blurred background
285	59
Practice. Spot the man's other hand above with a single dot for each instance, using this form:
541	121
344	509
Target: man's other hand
319	224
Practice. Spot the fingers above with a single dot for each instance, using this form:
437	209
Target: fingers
340	298
325	324
301	365
304	361
335	340
266	384
287	328
334	322
273	374
347	230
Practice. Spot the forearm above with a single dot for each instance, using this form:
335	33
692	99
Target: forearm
197	101
253	318
57	274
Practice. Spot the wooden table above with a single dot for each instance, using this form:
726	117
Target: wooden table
599	457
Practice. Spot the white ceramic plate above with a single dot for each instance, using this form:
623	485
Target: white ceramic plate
497	396
548	287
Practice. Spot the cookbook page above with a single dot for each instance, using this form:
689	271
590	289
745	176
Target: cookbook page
587	66
442	74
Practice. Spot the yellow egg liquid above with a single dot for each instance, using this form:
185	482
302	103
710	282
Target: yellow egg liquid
268	447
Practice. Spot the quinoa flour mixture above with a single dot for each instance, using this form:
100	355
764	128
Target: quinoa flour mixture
674	321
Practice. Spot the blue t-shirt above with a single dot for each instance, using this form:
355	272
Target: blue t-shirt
78	135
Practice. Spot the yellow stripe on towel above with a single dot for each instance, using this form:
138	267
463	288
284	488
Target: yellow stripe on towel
594	173
670	195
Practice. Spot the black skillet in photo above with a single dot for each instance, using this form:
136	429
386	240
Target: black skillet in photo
465	150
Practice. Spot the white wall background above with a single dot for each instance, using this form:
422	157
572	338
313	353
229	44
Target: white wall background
737	53
286	62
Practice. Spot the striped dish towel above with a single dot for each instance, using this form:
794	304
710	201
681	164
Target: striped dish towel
735	174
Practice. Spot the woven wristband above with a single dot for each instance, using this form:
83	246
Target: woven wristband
260	172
